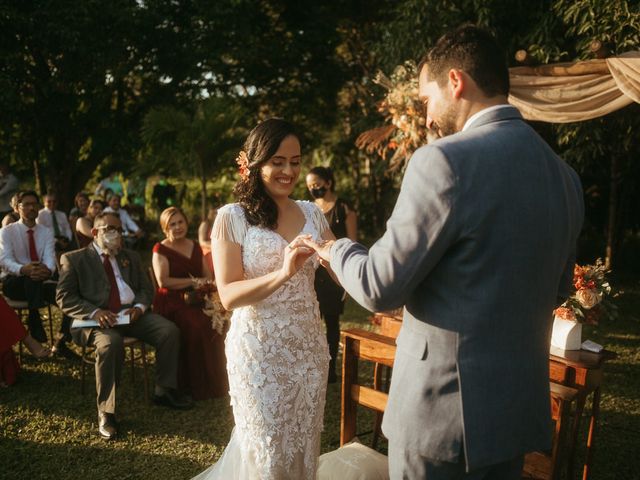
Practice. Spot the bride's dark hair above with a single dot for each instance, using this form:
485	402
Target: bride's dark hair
261	144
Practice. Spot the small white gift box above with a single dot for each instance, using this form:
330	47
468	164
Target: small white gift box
566	334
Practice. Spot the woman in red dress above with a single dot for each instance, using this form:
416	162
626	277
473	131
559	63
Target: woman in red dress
177	261
85	224
11	332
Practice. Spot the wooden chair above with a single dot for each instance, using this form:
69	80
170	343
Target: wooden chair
130	343
556	463
363	345
368	346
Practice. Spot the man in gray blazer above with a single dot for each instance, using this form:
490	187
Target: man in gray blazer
99	281
480	248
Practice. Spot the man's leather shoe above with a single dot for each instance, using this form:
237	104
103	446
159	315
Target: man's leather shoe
37	330
172	399
61	348
107	425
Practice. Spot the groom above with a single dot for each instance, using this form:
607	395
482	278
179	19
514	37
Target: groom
480	248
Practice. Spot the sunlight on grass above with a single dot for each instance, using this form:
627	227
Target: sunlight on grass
48	428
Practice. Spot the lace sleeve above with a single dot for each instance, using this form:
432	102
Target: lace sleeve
319	221
230	224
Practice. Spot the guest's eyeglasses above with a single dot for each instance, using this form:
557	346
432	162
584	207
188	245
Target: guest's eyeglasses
109	228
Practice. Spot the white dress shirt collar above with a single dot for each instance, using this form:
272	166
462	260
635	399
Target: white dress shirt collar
473	118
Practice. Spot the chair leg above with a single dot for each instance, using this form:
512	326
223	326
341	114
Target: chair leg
50	323
132	352
143	354
83	372
377	385
20	344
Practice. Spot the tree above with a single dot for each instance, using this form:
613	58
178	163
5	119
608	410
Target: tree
77	78
201	140
550	31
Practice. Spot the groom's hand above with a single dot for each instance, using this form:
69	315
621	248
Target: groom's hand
322	249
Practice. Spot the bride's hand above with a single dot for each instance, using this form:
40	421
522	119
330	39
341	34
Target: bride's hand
295	256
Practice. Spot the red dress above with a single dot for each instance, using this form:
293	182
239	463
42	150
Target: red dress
11	332
203	366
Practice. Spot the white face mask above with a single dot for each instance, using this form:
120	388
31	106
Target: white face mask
111	242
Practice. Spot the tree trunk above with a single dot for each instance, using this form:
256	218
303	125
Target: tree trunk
203	183
37	173
612	216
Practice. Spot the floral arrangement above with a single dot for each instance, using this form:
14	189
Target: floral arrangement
212	308
405	114
590	301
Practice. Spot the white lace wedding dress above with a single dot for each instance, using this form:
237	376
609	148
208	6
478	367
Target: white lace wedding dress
277	360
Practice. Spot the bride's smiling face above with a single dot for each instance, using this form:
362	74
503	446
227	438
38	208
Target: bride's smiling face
281	172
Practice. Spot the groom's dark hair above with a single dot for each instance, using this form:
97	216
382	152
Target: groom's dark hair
261	144
474	51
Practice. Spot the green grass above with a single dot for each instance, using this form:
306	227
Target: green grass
48	429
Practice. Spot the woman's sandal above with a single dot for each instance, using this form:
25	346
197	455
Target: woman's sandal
36	349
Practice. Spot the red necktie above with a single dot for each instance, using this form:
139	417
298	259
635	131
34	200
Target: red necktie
114	293
33	252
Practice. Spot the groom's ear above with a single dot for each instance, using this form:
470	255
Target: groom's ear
457	81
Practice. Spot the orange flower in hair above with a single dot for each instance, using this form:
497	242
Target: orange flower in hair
243	165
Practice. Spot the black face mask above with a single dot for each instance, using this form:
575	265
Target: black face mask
318	192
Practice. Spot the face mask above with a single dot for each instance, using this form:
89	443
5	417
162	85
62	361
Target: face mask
110	241
318	192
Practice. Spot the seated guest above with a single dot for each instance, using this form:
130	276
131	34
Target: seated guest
56	221
12	216
81	203
28	261
176	260
12	332
130	229
204	230
99	281
110	184
204	235
84	224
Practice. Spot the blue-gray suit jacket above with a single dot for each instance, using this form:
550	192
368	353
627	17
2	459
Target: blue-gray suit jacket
479	247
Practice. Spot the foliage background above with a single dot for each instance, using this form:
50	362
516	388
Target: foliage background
77	81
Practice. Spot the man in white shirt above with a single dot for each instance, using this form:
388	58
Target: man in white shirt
130	229
56	221
28	262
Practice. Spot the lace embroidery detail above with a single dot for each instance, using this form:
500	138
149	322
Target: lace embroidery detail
277	359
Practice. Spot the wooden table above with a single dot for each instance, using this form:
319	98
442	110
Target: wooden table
585	371
573	368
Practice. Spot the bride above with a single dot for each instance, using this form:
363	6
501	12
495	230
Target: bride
277	354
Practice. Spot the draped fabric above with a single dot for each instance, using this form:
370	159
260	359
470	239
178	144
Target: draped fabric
563	93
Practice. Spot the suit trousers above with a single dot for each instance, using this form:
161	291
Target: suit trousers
405	465
109	344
